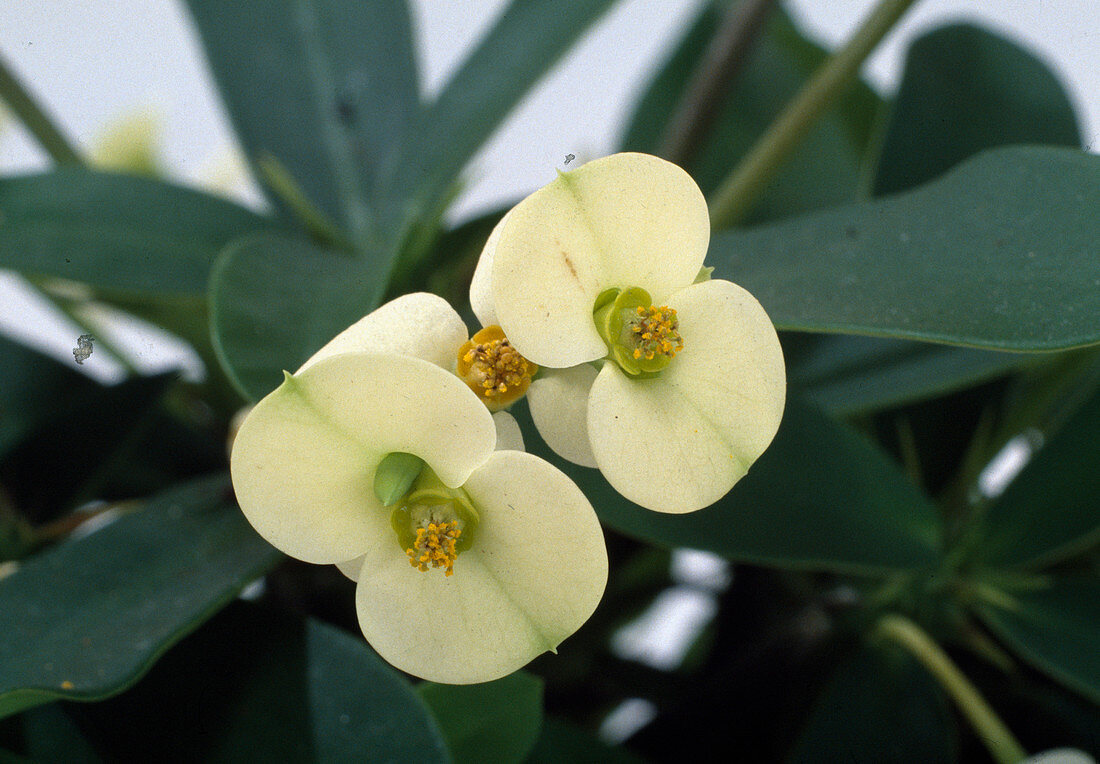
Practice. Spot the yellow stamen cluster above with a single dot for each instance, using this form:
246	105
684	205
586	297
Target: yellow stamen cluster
655	331
435	546
494	369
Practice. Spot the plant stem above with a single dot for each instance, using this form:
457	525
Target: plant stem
1004	748
735	196
723	61
35	120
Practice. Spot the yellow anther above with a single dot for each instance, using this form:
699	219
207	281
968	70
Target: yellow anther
655	331
493	369
435	546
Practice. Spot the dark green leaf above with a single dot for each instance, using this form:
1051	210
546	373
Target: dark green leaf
1053	628
64	461
33	387
850	374
1052	508
999	253
259	685
820	497
491	722
823	172
965	90
562	742
528	38
274	301
85	619
881	706
116	232
326	87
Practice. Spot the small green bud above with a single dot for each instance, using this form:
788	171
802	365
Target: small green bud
395	475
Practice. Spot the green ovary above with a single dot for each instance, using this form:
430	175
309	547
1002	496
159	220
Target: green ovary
642	338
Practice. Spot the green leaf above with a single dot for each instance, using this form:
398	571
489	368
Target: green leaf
261	685
825	169
848	375
326	87
33	387
999	254
820	498
964	90
1055	629
85	619
274	301
880	705
116	232
64	461
526	41
495	721
1050	510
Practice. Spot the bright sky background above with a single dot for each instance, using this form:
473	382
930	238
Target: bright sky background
91	61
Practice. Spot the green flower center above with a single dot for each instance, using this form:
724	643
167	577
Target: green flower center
641	337
433	522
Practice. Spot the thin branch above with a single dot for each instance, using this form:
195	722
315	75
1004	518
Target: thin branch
712	81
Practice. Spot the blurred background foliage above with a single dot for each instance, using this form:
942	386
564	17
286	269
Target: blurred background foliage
931	261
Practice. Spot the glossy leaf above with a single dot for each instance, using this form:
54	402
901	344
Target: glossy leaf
1053	628
881	705
526	41
261	685
820	497
491	722
998	254
116	232
1051	509
824	170
326	87
85	619
275	301
848	375
964	90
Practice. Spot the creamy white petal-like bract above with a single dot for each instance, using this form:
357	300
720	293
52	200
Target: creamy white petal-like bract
509	434
420	325
303	461
535	573
628	220
558	401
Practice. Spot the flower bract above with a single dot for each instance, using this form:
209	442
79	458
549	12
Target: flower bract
671	383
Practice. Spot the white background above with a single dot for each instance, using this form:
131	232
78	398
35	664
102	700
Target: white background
92	61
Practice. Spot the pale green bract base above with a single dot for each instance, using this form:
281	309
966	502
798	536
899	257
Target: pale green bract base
303	461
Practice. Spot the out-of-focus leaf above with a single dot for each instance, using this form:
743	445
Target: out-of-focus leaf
32	388
822	172
274	301
996	254
965	90
87	618
495	721
326	87
851	374
527	39
882	706
1052	508
1053	628
259	685
51	736
64	460
820	497
116	232
562	742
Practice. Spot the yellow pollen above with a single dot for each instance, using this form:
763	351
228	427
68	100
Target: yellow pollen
435	546
656	332
493	369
